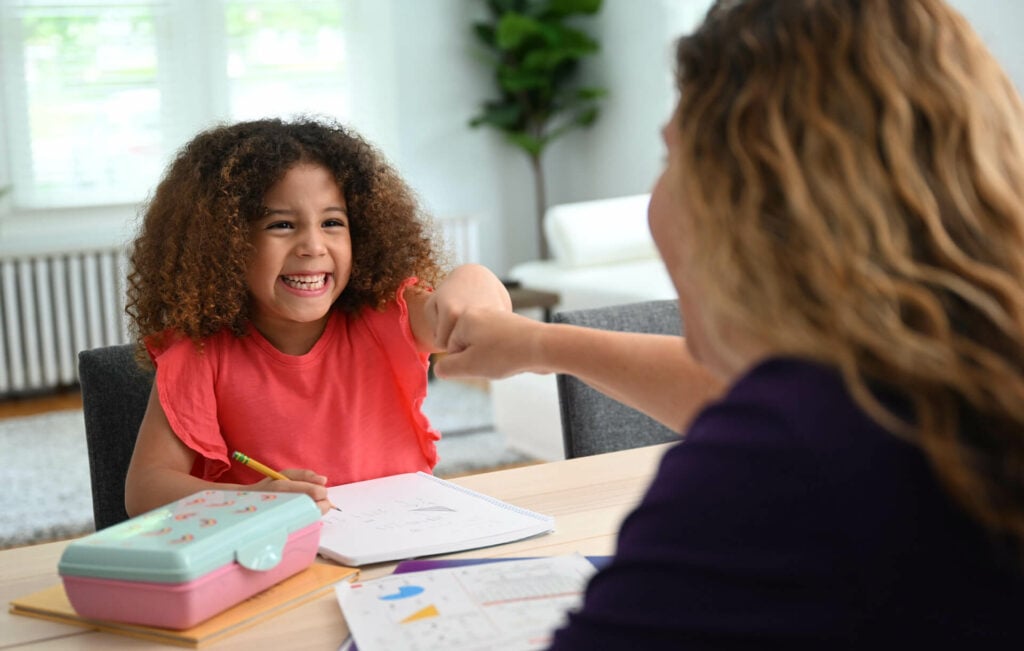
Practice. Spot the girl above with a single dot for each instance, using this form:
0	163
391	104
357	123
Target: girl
285	288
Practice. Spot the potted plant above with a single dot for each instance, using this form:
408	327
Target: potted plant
536	53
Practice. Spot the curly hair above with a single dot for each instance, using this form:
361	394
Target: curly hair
855	177
188	263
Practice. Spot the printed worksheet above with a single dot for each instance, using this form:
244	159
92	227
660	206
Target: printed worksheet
506	605
416	514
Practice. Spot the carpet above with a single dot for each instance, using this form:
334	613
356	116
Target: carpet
47	466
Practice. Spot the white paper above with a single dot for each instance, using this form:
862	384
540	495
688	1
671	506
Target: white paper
506	605
415	514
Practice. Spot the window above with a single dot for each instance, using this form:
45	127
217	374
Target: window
98	95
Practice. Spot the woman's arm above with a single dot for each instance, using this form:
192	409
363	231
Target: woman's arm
433	315
652	373
159	470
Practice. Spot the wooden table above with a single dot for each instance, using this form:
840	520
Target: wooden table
588	497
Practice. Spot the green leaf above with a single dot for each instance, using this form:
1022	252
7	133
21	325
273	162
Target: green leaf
591	92
587	117
501	116
486	34
516	81
531	145
515	29
572	7
499	7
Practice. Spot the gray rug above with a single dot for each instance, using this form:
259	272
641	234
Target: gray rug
47	467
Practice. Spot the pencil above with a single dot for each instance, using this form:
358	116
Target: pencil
256	465
259	467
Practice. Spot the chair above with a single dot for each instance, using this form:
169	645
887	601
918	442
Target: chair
115	391
593	423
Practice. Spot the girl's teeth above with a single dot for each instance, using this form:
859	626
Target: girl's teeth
305	282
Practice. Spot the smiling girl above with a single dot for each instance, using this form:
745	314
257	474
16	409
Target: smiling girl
286	289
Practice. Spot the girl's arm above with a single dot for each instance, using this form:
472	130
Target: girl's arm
159	470
433	315
652	373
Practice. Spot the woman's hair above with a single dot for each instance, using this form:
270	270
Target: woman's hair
855	178
189	260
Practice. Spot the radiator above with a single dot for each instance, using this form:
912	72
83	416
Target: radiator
461	238
52	306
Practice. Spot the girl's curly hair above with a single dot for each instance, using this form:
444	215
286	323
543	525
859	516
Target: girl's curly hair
188	263
856	178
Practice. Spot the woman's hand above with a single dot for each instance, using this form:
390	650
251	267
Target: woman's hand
433	316
492	344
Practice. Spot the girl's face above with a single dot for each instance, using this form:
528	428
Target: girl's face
303	257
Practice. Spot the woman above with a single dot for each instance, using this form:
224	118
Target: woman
842	214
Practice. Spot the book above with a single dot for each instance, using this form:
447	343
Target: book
416	514
514	603
316	580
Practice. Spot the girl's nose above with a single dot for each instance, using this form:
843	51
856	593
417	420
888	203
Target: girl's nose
312	243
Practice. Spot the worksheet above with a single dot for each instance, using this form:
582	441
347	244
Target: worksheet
508	605
416	514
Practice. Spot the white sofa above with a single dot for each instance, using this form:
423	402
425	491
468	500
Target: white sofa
602	254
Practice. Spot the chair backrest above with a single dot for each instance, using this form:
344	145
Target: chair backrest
593	423
115	391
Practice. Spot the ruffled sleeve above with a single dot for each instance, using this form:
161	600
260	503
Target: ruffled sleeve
185	379
393	331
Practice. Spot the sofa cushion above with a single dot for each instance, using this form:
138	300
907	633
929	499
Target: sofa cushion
599	285
605	231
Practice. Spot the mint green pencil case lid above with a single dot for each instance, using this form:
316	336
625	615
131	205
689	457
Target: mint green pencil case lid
193	536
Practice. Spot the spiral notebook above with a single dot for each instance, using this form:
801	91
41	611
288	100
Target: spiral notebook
416	514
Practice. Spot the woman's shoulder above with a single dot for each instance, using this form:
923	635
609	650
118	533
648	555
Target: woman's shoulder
796	395
802	415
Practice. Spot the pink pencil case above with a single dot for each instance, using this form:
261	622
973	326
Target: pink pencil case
185	562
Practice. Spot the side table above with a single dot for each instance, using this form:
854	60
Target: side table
523	298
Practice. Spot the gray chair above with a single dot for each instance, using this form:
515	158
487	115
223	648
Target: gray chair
115	391
593	423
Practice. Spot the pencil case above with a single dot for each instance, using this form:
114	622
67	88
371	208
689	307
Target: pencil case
182	563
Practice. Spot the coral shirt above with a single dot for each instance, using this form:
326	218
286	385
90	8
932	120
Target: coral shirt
348	409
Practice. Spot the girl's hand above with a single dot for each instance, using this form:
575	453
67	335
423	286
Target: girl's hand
299	481
468	286
486	343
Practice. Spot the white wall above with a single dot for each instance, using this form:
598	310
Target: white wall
1000	23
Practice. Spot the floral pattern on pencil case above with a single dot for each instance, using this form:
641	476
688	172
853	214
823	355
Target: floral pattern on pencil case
187	520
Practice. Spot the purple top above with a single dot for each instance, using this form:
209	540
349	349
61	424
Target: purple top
787	518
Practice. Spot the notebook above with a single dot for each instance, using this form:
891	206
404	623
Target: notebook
416	514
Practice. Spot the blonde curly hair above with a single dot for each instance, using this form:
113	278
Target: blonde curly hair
188	262
855	177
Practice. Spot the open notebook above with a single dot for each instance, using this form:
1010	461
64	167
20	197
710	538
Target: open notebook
417	514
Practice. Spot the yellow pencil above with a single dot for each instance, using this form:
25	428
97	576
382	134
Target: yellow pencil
259	467
256	465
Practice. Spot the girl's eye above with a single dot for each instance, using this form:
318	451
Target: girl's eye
275	225
334	223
